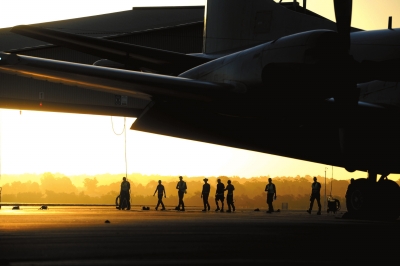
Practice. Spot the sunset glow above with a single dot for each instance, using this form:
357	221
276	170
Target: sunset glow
37	142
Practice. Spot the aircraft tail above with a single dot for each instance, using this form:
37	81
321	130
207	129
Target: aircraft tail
236	24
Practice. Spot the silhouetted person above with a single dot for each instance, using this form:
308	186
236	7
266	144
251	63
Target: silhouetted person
124	194
350	186
219	195
204	194
181	187
161	190
229	197
271	195
315	195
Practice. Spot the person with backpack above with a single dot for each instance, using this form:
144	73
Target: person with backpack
271	195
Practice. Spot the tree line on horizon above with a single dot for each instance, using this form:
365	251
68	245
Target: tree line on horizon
249	193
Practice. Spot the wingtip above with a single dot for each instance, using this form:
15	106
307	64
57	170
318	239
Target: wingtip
16	28
24	29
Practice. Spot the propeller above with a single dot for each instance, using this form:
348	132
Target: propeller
346	95
344	63
343	12
335	74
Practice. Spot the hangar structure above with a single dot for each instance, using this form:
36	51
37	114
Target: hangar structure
178	29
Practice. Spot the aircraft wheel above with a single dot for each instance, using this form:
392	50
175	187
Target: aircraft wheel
357	198
377	201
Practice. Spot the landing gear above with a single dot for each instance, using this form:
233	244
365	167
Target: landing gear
368	199
358	198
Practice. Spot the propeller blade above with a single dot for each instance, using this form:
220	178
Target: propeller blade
346	93
343	11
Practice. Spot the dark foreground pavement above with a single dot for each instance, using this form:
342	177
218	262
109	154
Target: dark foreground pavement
80	236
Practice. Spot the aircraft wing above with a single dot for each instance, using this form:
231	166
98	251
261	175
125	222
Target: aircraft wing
134	57
115	81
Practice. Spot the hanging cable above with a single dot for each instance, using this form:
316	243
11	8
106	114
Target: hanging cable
126	160
119	134
331	181
112	124
1	112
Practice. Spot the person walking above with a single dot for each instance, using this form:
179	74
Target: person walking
181	187
315	195
219	195
349	187
204	194
229	197
161	191
271	195
124	195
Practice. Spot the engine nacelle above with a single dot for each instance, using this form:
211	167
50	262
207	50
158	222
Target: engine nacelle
306	48
248	67
376	45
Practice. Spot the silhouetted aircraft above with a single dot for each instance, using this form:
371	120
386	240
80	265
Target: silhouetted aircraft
294	95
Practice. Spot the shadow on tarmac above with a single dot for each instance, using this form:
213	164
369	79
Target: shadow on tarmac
79	236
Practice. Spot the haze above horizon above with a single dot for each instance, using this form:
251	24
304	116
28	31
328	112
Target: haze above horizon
37	142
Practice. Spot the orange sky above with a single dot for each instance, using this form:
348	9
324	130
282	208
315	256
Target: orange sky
38	142
366	14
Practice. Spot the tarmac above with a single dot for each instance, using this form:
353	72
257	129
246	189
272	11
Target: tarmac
81	236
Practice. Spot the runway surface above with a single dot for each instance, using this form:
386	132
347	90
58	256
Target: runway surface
80	236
